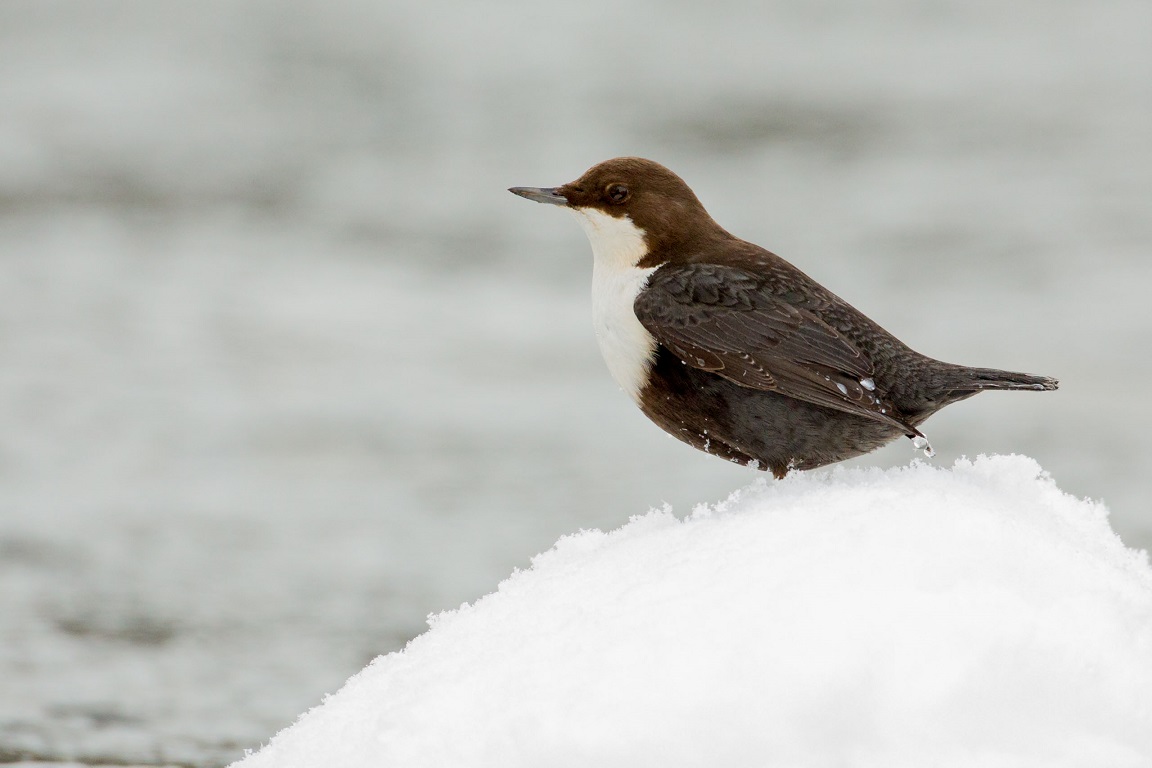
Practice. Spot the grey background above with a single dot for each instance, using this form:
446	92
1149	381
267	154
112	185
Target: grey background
284	368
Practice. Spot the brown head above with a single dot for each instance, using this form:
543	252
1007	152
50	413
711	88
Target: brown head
653	198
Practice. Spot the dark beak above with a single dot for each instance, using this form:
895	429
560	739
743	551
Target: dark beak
541	194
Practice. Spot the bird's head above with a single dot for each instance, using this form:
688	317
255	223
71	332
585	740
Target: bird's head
630	208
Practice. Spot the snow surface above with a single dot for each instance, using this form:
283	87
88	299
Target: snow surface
975	616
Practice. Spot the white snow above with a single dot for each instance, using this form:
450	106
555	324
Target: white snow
972	616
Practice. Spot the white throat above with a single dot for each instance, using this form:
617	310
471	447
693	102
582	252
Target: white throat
617	246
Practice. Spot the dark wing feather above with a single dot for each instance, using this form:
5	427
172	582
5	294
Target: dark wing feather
749	329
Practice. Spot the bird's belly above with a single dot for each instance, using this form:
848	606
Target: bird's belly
763	428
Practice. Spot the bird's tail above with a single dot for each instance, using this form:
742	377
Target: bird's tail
975	380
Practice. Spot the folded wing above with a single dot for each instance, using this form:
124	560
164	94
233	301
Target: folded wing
745	327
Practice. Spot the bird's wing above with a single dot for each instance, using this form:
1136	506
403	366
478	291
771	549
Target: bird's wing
751	330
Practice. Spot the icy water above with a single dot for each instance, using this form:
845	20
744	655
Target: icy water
285	368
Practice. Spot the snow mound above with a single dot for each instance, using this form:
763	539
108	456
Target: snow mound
975	616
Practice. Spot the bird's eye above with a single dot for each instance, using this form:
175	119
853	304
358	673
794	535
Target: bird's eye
617	193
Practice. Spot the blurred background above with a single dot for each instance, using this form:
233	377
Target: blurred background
284	368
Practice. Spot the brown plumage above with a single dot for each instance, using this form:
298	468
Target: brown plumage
748	358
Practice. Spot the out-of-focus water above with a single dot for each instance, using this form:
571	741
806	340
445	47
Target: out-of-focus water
285	368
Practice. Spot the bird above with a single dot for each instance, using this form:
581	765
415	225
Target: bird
733	350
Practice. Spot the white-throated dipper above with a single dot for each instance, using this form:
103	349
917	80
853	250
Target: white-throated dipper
733	350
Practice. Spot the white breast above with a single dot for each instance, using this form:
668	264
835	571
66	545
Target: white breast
617	245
